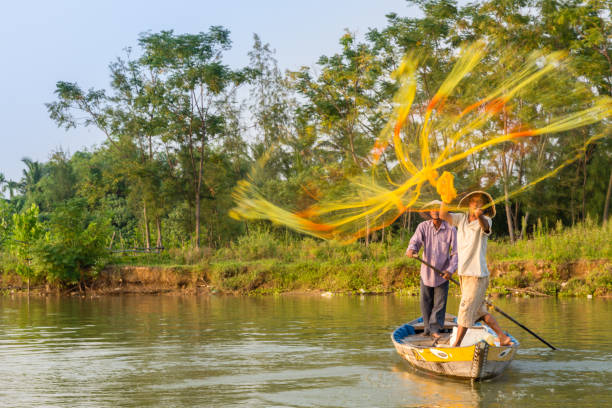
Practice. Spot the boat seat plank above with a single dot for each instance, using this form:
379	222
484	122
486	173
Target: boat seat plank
447	325
426	341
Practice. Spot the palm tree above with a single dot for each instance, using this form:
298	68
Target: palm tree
11	186
31	175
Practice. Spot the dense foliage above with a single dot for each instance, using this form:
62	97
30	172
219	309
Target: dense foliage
178	138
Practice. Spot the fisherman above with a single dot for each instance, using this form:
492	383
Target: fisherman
473	230
439	240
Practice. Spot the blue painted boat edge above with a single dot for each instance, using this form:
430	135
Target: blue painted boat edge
402	331
405	330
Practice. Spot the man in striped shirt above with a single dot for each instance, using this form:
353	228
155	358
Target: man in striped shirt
439	240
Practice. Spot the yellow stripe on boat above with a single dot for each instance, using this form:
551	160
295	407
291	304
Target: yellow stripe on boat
445	354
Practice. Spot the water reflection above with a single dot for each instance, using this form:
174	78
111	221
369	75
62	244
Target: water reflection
281	351
435	391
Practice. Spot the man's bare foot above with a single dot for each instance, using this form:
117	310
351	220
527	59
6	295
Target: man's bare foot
436	335
505	341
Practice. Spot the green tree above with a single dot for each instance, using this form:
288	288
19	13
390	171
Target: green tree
29	183
27	229
58	183
584	28
198	90
139	115
6	224
346	102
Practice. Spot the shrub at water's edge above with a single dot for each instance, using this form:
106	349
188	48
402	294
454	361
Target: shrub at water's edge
66	249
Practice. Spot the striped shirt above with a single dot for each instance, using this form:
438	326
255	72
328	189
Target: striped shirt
440	250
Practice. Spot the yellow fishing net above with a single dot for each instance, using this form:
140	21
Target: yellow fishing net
476	112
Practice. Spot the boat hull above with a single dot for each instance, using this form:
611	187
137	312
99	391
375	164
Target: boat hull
479	361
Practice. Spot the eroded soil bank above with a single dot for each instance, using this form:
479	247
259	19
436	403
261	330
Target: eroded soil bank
525	278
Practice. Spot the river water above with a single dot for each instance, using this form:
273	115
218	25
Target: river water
284	351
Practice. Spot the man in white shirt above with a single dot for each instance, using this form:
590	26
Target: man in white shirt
473	230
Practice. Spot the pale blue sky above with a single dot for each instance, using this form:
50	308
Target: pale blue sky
43	42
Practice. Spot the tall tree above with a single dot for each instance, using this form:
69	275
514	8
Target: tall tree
346	101
198	87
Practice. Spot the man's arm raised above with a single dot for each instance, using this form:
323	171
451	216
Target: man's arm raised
484	224
444	214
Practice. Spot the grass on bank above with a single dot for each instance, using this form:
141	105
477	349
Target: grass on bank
262	262
586	240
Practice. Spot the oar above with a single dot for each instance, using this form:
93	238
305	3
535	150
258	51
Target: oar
498	310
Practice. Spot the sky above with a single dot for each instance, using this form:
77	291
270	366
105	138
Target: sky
42	42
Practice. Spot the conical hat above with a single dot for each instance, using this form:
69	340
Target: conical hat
432	205
490	207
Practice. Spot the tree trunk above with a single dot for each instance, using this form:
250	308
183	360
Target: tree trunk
200	179
584	179
508	212
524	224
572	206
110	246
515	214
159	232
197	218
573	193
607	203
146	225
211	230
506	175
409	220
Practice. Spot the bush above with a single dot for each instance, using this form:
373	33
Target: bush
73	244
259	244
396	271
190	255
549	287
600	282
576	287
235	276
26	231
513	279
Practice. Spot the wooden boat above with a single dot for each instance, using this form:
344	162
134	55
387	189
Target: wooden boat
479	357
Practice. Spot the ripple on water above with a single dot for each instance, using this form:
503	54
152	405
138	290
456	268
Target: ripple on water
158	351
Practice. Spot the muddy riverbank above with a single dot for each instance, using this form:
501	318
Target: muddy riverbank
524	278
